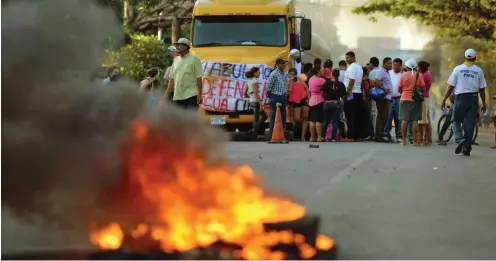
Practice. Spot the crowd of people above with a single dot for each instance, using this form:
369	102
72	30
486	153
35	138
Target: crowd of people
349	103
353	103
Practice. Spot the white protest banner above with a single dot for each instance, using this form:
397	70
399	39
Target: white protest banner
224	84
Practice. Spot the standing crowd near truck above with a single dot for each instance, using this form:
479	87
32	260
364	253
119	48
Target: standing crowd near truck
350	103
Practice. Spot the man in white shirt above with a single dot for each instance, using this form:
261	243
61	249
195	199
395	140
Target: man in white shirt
468	82
354	97
394	107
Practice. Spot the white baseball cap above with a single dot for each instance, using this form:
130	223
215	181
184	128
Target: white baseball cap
411	63
470	53
183	41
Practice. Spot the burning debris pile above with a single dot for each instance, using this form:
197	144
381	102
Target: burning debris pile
180	202
151	181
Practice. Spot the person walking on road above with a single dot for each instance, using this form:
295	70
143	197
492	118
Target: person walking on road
394	107
468	82
382	80
277	91
185	77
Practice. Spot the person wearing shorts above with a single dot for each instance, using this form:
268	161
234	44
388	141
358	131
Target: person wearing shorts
425	122
298	97
410	110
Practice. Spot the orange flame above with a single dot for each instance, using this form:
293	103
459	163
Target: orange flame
109	237
194	204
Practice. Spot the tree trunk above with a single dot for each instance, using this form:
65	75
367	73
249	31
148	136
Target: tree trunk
175	29
129	11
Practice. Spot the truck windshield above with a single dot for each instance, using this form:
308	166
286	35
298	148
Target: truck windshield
229	30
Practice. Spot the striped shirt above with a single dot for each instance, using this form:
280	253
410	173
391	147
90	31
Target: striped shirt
277	83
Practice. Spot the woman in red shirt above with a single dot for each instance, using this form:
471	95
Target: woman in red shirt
425	122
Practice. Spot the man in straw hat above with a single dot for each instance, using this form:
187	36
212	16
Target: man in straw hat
468	82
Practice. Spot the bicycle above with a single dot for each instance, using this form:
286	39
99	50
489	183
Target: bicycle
449	129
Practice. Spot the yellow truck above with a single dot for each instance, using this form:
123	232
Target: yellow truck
230	37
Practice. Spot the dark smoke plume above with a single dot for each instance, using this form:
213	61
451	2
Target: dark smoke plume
61	131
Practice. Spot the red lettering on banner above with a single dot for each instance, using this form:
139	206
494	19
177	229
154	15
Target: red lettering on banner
215	103
222	86
222	89
239	89
223	104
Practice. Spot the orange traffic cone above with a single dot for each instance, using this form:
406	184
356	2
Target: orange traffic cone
278	132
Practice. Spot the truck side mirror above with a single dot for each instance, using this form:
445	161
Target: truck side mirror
306	34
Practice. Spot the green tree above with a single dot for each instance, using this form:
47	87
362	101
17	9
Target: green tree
144	52
476	18
459	24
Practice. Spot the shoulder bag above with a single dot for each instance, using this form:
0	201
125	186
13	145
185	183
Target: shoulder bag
417	93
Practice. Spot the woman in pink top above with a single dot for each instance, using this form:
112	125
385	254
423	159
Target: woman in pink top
316	103
298	99
410	110
425	123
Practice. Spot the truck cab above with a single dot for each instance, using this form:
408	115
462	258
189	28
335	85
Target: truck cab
232	36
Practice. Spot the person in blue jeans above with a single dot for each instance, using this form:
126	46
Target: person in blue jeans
277	91
333	91
394	107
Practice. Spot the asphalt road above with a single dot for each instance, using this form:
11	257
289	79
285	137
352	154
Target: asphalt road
380	201
385	201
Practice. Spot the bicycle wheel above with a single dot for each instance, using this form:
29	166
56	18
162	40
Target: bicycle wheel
440	123
449	132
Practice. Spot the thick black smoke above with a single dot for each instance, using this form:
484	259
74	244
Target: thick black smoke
61	131
56	123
